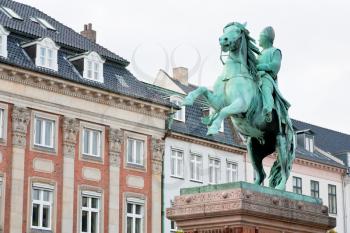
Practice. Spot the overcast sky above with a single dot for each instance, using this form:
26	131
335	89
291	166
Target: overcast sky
314	38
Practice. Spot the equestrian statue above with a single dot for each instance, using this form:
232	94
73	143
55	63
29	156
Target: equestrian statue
247	92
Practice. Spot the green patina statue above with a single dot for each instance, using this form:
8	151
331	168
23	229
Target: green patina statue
246	91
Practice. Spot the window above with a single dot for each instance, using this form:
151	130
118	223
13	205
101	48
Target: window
214	171
92	142
332	199
173	227
297	185
134	217
3	41
45	24
44	132
315	188
93	66
196	167
93	70
90	213
176	163
179	114
10	13
135	153
42	199
46	58
2	123
231	172
309	143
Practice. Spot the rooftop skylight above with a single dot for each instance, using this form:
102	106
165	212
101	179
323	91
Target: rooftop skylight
10	13
43	23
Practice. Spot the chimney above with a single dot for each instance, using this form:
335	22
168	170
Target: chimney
88	32
181	74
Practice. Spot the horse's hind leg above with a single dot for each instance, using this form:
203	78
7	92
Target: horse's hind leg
282	159
256	161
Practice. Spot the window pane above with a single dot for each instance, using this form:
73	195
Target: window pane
35	215
138	209
1	121
94	222
46	216
129	208
86	141
129	225
130	150
38	123
94	203
95	142
84	221
138	225
173	162
46	195
84	202
48	133
35	194
139	152
179	167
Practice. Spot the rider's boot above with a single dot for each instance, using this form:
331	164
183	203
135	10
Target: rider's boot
267	98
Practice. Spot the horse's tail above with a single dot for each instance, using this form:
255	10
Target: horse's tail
275	176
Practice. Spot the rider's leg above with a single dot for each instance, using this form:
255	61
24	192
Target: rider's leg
238	106
282	158
267	98
256	162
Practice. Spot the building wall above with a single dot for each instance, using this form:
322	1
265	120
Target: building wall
347	202
325	175
172	185
66	169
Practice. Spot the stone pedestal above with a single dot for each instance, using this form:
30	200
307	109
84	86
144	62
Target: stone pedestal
247	208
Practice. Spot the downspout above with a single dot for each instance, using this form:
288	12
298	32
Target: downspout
344	203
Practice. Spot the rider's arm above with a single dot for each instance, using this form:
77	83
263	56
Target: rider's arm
274	65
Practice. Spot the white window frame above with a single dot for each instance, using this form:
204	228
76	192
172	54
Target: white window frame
135	201
3	122
46	44
173	230
175	159
196	160
44	122
309	143
41	203
134	155
91	157
92	73
54	138
90	144
180	115
230	171
214	170
3	42
89	209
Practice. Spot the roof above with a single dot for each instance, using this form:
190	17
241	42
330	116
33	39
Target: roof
117	78
63	36
328	140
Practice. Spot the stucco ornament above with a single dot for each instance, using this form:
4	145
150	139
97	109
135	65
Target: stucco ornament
70	131
157	155
20	120
246	91
115	139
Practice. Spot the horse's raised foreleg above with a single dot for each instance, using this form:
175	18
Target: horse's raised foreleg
211	98
238	106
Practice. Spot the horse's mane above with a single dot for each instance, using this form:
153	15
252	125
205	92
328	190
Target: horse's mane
252	50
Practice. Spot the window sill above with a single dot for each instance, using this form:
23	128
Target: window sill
33	230
177	177
91	157
136	166
196	181
44	149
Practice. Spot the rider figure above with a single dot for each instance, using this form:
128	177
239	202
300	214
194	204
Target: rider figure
269	63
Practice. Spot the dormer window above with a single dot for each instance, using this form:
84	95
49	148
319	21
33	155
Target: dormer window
179	114
10	13
309	143
89	65
43	52
3	41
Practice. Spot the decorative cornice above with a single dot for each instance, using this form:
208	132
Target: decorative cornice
70	131
64	87
115	139
208	143
157	155
20	120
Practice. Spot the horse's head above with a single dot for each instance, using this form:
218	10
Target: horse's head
232	37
